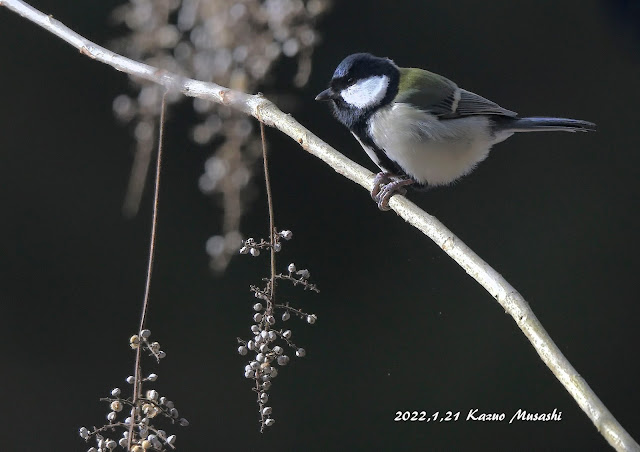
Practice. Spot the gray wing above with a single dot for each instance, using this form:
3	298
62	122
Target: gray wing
466	103
442	97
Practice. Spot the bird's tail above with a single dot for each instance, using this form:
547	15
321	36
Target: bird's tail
546	125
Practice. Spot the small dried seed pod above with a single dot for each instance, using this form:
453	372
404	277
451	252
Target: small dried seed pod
116	406
134	341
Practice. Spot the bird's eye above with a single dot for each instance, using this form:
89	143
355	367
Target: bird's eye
351	81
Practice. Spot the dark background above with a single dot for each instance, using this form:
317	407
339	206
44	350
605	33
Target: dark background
401	327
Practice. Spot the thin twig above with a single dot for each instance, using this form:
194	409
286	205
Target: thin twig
272	228
152	247
266	112
272	236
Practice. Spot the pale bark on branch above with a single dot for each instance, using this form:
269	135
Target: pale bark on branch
266	112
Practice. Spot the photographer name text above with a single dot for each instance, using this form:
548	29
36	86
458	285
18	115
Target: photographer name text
475	415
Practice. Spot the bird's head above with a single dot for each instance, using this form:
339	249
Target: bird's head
361	84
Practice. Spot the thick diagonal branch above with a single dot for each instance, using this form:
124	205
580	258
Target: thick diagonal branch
266	112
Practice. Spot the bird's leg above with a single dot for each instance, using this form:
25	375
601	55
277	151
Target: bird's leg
386	185
390	189
381	179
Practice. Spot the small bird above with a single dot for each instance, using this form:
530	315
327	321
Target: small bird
420	127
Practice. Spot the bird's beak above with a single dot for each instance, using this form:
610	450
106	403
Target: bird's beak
327	94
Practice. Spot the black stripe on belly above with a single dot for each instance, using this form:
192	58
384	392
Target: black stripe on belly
385	162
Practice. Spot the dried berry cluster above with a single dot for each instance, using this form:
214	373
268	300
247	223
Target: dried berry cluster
252	247
139	431
270	342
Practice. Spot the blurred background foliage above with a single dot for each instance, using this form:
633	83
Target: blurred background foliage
400	327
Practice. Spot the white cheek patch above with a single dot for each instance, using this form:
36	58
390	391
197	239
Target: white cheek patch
366	92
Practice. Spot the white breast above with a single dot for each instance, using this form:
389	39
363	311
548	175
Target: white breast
432	151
